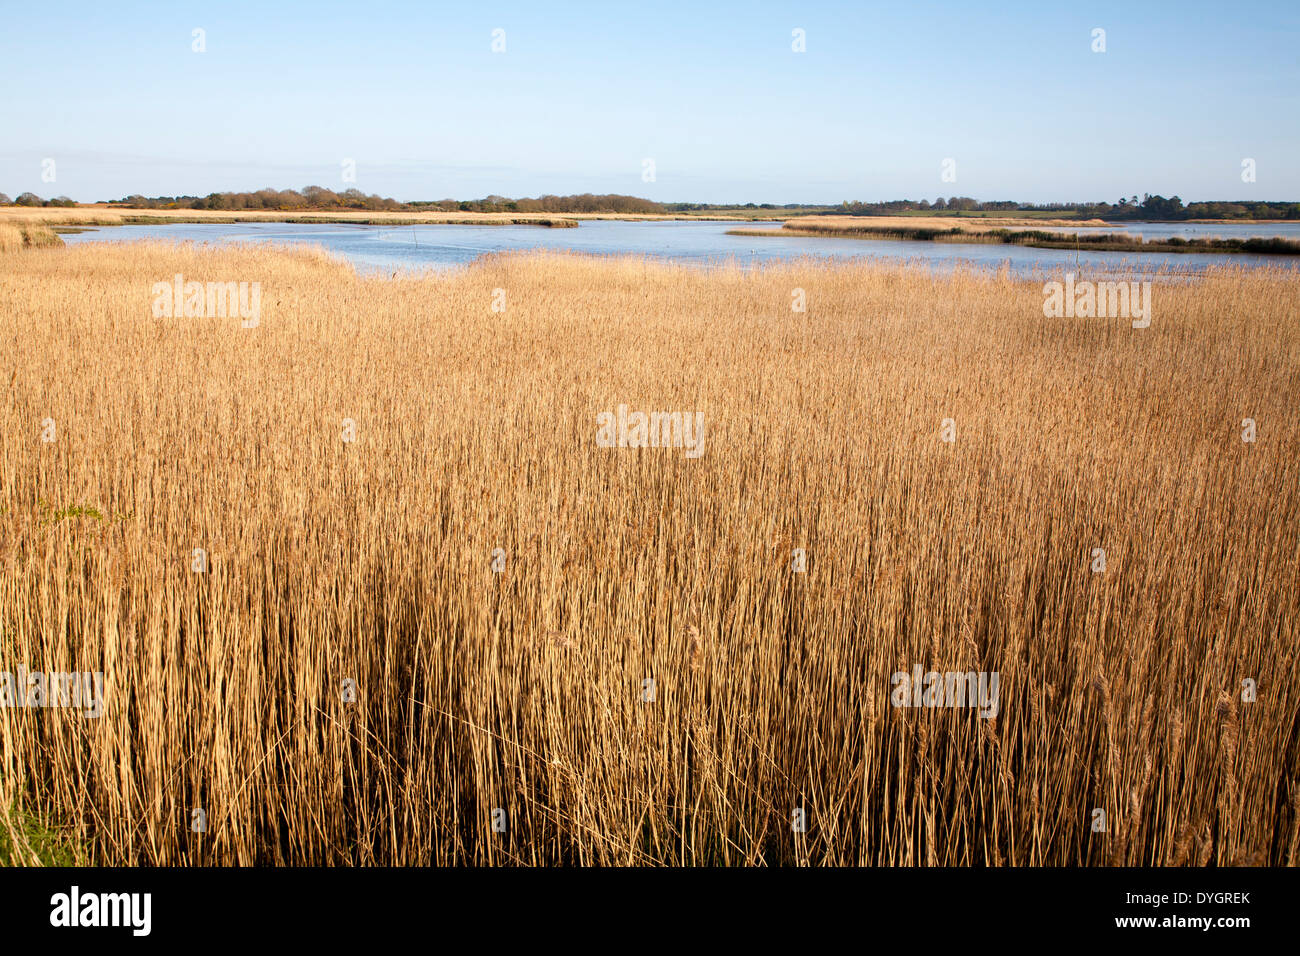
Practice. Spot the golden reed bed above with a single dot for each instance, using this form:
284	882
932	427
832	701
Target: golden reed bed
518	696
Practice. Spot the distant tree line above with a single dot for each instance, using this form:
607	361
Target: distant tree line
744	207
281	200
586	202
31	199
319	198
1148	208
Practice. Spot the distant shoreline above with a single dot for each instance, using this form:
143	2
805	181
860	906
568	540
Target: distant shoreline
843	227
105	215
62	218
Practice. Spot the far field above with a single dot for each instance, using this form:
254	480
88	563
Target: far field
104	215
1012	232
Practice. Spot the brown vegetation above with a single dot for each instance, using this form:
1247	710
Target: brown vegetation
1013	232
523	689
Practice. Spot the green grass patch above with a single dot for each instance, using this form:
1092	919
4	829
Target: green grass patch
25	841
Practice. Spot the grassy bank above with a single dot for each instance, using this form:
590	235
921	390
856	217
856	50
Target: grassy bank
154	219
524	688
103	215
846	228
15	236
67	219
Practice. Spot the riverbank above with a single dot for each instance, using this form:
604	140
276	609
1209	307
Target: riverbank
27	235
965	232
63	217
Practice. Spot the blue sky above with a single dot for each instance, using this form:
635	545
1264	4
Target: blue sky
712	92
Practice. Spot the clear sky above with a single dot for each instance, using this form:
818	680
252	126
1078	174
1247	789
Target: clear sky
713	93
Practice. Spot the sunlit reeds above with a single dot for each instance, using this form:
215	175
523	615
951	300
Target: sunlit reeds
524	689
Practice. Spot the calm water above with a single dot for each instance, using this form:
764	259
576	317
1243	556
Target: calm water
394	248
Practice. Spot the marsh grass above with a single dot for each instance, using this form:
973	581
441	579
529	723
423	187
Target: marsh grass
98	215
25	841
843	227
16	235
522	690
